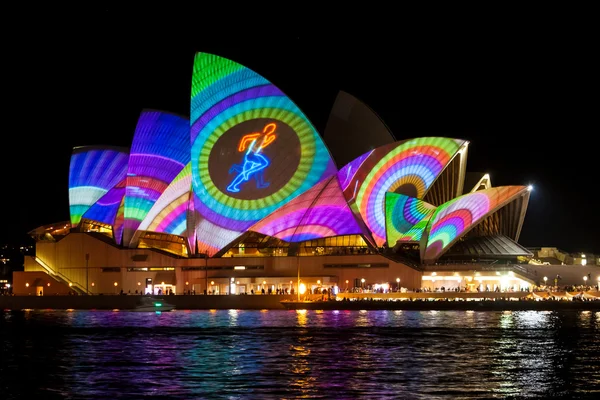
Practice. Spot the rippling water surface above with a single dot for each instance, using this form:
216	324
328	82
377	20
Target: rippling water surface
235	354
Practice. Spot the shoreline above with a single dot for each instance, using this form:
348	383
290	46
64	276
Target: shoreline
287	302
474	305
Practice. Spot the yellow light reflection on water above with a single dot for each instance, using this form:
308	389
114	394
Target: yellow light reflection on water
362	320
301	317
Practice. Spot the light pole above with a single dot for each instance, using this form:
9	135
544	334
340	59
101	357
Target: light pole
585	280
87	273
362	281
298	271
346	285
545	280
206	274
398	284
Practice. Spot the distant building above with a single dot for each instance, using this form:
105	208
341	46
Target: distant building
245	194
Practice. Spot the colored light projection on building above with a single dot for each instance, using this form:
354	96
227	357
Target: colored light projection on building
456	217
105	209
233	113
92	172
405	218
348	171
159	151
320	212
191	224
254	162
409	167
119	224
169	213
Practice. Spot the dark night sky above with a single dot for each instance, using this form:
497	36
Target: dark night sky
523	99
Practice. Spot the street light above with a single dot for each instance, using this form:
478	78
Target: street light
585	280
212	283
347	284
545	279
398	284
362	281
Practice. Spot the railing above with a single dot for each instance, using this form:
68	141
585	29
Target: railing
515	268
59	276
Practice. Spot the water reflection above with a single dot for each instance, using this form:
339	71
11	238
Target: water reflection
295	354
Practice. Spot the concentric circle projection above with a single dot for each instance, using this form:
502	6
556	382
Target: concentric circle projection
409	167
253	150
454	218
406	218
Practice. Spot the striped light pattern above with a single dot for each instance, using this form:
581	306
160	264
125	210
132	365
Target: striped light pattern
348	171
456	217
409	167
105	209
226	94
169	213
159	151
92	172
119	223
405	218
320	212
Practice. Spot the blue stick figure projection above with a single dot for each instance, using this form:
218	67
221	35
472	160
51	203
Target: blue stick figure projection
254	162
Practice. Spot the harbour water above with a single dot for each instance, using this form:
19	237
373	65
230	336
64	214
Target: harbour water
281	354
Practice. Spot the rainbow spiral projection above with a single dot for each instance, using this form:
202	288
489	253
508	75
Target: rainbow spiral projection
159	151
93	171
409	167
320	212
169	213
237	179
456	217
105	209
405	218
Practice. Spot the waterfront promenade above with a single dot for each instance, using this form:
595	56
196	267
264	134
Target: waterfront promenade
409	301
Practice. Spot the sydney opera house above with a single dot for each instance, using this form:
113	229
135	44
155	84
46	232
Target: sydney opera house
245	194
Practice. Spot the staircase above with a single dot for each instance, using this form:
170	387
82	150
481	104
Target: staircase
59	276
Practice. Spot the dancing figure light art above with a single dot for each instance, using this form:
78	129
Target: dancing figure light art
254	162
